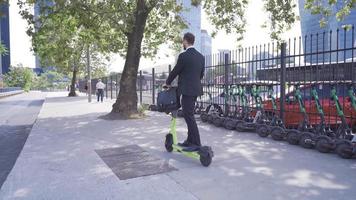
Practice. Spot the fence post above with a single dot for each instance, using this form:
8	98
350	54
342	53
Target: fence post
283	80
110	87
106	87
140	86
153	86
226	80
117	85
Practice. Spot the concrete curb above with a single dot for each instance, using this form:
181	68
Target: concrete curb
7	94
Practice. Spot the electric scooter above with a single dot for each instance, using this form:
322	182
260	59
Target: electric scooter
309	139
341	142
219	120
204	154
293	136
250	123
211	110
236	116
276	124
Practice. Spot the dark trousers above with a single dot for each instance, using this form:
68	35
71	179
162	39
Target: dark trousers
188	104
100	94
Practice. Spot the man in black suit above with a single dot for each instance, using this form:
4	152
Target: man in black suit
190	70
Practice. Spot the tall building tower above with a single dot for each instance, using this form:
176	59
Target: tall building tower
192	17
205	43
5	37
310	27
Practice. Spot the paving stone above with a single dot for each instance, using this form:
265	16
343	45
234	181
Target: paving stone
132	161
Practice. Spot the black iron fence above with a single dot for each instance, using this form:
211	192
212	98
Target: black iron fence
323	61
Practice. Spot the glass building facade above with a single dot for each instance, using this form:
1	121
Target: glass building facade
331	37
192	17
5	37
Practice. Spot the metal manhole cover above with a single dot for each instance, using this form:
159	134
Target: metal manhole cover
132	161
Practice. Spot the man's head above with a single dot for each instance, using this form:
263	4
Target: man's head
99	80
188	40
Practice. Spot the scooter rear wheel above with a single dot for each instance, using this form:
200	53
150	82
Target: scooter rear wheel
277	133
204	117
344	149
210	118
169	142
206	156
262	130
218	121
293	137
230	124
306	140
324	144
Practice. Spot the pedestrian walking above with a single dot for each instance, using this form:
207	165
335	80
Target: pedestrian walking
100	86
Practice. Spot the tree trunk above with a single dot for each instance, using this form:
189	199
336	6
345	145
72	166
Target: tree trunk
72	92
126	102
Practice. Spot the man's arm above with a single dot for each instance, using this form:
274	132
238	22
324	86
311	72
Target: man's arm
176	70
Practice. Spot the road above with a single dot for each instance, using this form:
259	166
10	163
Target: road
18	114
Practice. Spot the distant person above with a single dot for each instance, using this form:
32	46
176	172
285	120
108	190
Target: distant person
100	86
86	89
190	70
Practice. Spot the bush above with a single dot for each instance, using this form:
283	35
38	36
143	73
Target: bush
20	77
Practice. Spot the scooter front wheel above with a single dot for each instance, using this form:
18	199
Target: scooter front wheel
306	140
262	130
169	142
324	144
277	133
344	149
293	137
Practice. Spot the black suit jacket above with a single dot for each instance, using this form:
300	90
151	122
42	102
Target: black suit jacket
190	70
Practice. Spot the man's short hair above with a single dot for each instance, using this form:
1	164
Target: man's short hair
99	79
189	37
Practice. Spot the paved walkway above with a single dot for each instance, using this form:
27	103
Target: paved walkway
59	161
17	115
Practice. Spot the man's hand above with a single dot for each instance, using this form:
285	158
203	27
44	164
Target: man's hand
165	86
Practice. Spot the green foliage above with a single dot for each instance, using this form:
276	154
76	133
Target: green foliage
325	9
3	49
20	77
50	80
281	16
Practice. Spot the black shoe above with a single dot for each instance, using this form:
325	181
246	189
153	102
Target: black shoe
185	144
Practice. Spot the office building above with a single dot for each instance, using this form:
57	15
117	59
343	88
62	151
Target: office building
5	37
312	43
192	17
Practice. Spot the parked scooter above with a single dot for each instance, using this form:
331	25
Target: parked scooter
211	110
341	142
250	123
293	135
276	124
309	139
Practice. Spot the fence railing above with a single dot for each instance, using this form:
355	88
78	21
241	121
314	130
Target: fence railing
324	61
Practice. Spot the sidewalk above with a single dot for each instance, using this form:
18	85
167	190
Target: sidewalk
59	161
